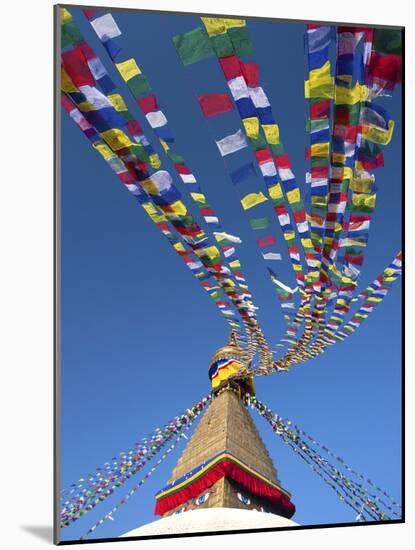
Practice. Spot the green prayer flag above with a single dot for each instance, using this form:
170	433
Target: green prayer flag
277	149
70	34
388	41
176	159
258	143
139	86
316	124
259	223
241	41
193	46
138	150
222	45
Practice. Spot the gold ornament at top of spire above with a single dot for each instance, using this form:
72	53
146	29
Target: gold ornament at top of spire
230	364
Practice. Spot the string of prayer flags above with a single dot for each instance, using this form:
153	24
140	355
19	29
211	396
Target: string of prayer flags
253	105
90	490
346	483
132	491
320	88
158	121
176	213
341	188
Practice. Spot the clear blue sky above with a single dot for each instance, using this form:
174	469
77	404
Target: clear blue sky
137	329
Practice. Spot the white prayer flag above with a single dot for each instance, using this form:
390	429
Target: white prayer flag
231	144
106	27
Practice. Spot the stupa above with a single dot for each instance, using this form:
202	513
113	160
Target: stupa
225	479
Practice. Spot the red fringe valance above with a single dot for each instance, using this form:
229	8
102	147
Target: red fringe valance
228	469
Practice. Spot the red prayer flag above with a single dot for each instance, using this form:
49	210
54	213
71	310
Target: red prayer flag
263	242
263	155
320	109
148	104
230	66
134	128
67	104
89	14
282	161
250	73
387	68
182	169
215	104
76	66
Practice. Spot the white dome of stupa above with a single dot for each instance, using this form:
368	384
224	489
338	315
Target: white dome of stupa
211	519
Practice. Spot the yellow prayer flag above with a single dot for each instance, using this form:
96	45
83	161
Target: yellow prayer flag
251	126
288	235
275	191
293	196
362	183
198	197
338	158
66	82
363	199
85	107
320	83
210	251
155	161
66	17
150	186
118	102
217	25
320	74
179	247
272	133
377	135
164	144
116	139
347	173
214	25
128	69
252	199
319	150
306	243
177	208
235	264
349	96
103	150
149	208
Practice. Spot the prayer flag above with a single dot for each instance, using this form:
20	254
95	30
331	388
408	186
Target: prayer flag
259	223
128	69
193	46
252	199
243	172
231	144
106	27
271	256
215	104
269	240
